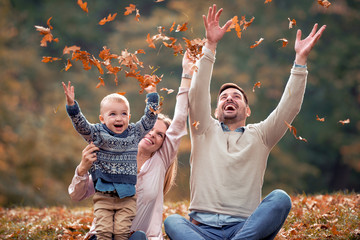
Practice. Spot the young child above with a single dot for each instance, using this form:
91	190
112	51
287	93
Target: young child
114	172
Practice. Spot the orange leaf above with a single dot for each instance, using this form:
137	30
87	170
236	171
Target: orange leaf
129	9
139	51
258	84
181	28
83	5
172	27
247	23
284	41
257	43
267	1
68	65
137	16
293	130
121	93
150	41
50	59
73	48
324	3
48	23
159	1
101	83
168	90
196	124
319	119
292	23
343	122
48	37
107	19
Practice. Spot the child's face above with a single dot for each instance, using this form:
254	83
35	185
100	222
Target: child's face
115	115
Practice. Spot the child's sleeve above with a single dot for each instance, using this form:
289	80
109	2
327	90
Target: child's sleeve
149	118
80	123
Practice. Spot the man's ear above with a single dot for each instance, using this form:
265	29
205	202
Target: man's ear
248	111
129	117
216	113
101	118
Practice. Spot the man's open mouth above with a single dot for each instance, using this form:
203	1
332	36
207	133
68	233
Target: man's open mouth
229	107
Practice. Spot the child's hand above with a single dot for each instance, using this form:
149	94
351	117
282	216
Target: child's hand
150	89
69	93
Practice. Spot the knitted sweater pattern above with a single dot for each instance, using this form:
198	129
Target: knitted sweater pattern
116	159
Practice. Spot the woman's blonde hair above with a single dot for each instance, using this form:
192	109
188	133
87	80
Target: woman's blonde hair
170	174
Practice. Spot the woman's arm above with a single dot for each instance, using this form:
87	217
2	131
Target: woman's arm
177	128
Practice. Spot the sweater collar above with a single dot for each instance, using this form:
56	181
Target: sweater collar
121	135
225	128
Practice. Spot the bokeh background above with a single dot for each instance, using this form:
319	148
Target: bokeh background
39	149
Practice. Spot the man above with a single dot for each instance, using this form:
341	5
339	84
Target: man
228	158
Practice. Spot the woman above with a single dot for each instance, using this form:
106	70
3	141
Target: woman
156	160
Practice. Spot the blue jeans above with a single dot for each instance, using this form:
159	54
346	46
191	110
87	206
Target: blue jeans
264	223
138	235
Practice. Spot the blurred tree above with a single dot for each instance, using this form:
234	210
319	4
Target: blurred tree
39	148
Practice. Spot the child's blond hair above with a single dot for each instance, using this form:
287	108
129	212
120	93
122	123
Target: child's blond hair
114	97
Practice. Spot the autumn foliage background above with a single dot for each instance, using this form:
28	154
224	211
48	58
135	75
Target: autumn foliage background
39	149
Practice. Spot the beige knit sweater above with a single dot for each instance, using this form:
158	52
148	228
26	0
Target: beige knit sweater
227	168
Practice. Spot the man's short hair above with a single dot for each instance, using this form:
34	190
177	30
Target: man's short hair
233	85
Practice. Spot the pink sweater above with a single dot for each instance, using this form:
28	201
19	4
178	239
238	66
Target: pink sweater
150	180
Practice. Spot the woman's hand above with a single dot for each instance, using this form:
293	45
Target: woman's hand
88	157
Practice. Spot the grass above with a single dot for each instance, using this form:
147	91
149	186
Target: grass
335	216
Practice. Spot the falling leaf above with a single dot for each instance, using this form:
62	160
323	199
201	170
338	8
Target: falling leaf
291	23
196	124
48	23
107	19
293	130
324	3
257	43
83	5
343	122
68	50
137	16
139	51
172	27
258	84
246	23
50	59
121	93
267	1
168	90
101	83
68	65
48	37
319	119
181	28
56	109
129	9
150	41
284	41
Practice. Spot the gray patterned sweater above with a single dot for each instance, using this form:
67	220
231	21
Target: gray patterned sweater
116	159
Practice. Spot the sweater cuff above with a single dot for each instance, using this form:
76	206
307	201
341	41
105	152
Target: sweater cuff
73	110
183	90
208	52
152	97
